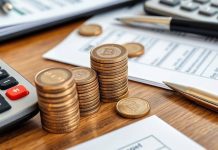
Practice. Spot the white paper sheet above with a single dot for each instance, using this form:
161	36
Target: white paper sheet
33	13
148	134
176	57
40	10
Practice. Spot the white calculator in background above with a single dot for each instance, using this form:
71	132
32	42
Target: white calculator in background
200	10
18	98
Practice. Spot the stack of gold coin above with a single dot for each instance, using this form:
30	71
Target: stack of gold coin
110	61
88	90
57	100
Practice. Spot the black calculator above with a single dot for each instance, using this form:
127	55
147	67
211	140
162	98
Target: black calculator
18	99
199	10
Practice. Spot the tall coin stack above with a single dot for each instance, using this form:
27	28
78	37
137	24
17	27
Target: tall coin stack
88	90
57	100
110	61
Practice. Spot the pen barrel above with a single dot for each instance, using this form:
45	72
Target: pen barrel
196	27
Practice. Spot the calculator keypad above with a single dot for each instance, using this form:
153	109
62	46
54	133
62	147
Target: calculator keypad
170	2
207	11
8	83
201	1
199	10
3	74
189	6
17	92
4	106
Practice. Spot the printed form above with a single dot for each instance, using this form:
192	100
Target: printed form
148	134
175	57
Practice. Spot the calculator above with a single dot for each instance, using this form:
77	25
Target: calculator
199	10
18	98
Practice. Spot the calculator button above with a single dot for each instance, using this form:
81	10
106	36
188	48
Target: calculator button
8	83
189	6
3	74
201	1
214	3
4	106
207	11
17	92
170	2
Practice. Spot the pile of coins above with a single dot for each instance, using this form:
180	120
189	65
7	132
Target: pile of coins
110	61
57	100
88	90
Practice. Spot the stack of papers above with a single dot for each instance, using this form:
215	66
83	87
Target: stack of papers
28	14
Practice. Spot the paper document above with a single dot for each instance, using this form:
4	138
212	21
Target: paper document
32	13
175	57
148	134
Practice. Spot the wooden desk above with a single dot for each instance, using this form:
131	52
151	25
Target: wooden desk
25	55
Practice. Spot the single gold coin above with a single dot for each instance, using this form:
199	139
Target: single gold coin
83	75
114	99
90	30
54	79
132	107
134	49
109	53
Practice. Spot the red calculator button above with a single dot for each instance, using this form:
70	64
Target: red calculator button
17	92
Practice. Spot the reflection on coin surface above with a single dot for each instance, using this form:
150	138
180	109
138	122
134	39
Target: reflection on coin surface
53	76
90	30
134	49
109	53
83	75
132	107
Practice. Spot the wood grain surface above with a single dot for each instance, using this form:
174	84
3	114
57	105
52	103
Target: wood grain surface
25	55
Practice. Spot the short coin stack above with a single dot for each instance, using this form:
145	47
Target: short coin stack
110	61
88	90
57	100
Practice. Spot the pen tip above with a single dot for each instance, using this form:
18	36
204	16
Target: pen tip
175	86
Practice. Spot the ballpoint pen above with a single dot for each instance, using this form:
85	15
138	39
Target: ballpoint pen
172	24
203	98
6	6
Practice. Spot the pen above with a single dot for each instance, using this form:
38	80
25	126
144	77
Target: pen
203	98
172	24
6	6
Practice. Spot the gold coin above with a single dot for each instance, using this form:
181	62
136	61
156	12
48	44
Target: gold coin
85	89
57	100
88	99
87	105
109	53
112	73
89	108
89	94
133	107
83	75
87	86
90	30
71	90
114	88
53	79
90	112
111	77
114	99
112	70
134	49
109	65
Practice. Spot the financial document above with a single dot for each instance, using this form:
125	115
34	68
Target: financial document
186	59
32	13
148	134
